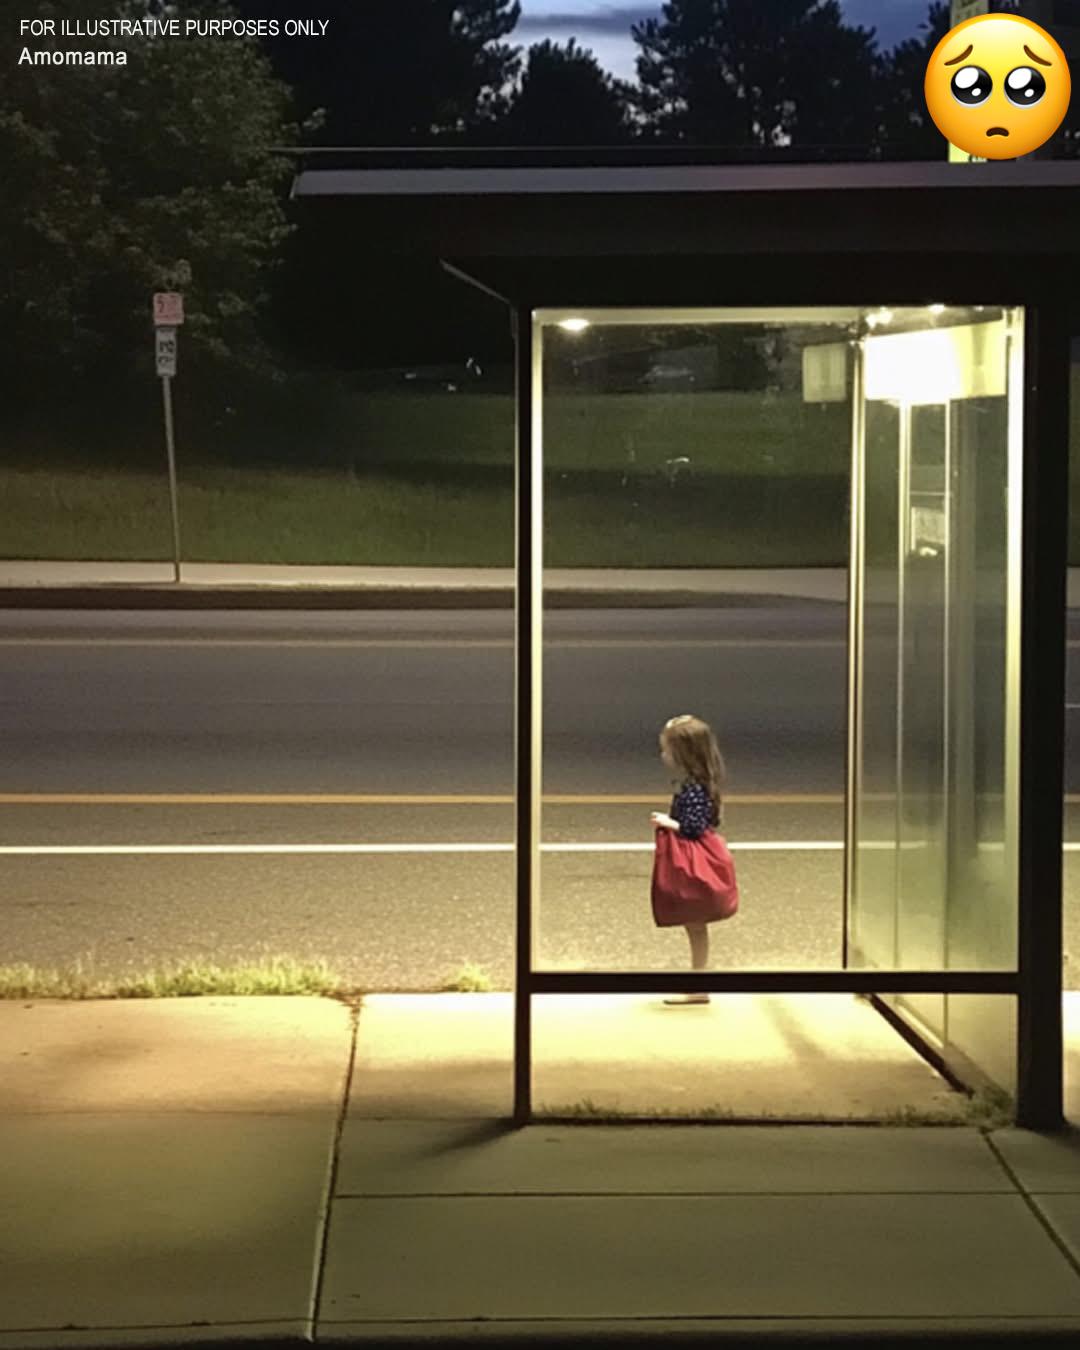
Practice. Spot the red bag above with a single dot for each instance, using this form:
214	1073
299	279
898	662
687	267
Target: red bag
693	880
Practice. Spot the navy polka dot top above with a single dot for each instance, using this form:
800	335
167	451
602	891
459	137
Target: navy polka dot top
692	807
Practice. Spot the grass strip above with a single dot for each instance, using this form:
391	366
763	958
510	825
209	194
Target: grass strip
268	975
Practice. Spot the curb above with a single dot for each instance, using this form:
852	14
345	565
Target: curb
193	597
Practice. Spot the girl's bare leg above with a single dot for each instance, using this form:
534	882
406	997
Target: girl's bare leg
698	933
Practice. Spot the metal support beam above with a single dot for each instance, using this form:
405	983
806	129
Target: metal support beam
775	982
527	649
1045	515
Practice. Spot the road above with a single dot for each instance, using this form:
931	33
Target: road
214	733
413	702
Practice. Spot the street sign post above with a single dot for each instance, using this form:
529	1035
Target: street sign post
168	311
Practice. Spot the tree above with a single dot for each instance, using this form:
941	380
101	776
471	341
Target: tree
397	72
756	73
830	81
123	180
566	98
905	127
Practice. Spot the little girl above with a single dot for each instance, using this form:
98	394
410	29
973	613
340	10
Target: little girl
688	746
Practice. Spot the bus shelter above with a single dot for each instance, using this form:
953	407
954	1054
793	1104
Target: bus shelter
928	310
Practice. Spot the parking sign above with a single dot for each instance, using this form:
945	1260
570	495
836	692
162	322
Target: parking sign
168	309
165	350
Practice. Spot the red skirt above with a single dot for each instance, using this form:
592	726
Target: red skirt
693	880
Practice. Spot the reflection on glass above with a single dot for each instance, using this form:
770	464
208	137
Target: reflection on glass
933	853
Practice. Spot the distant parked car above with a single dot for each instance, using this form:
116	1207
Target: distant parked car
662	376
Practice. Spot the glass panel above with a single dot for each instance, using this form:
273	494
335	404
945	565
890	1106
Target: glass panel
697	466
922	855
874	856
930	765
981	1044
982	913
937	571
697	482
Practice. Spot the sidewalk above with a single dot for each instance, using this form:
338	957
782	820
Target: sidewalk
205	585
219	585
207	1171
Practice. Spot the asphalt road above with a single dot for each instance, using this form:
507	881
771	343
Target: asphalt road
133	714
409	702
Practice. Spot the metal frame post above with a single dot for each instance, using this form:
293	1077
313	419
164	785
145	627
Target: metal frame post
856	590
528	655
1045	515
170	451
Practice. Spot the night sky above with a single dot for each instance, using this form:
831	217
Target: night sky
606	27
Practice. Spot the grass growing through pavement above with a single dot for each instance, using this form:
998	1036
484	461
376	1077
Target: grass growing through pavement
470	979
989	1110
270	975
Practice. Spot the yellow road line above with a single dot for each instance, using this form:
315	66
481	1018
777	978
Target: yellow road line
314	643
241	799
378	799
732	799
413	799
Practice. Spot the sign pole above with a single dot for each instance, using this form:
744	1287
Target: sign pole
170	447
168	311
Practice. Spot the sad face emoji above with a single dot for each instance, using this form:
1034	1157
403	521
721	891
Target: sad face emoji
998	86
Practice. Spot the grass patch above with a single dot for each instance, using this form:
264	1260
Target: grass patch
401	479
992	1109
587	1109
987	1110
428	481
470	979
257	515
270	975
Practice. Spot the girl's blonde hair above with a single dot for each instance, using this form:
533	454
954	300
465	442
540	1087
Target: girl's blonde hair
694	749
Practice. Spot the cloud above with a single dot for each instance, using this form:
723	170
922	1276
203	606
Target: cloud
606	28
608	21
894	20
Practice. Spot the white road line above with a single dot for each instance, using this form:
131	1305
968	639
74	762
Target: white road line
98	850
37	850
382	799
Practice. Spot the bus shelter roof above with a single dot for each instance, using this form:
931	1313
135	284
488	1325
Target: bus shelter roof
570	229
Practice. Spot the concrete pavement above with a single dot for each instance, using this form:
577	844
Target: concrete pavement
35	583
148	585
219	1170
